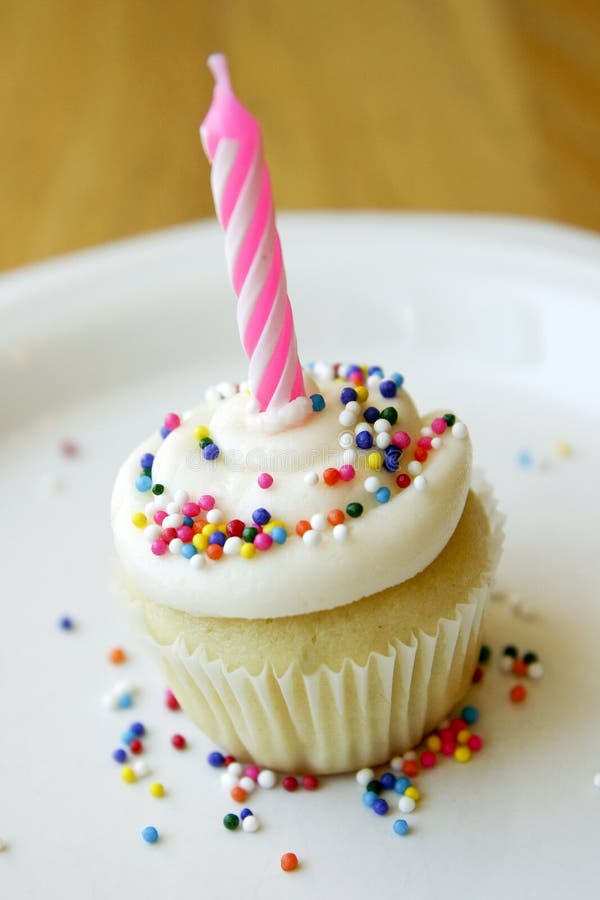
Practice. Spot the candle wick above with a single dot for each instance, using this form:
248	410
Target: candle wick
217	63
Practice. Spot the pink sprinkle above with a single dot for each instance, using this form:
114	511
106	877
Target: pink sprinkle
185	534
159	515
191	509
172	421
206	501
263	541
401	439
158	547
475	742
69	448
425	442
265	480
439	426
347	472
252	772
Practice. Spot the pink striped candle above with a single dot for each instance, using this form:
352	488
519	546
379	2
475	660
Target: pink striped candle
244	205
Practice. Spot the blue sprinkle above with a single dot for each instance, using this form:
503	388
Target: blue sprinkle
397	378
371	414
215	759
143	483
470	714
138	729
353	368
279	534
119	755
150	834
348	395
388	388
245	812
380	806
383	494
125	701
164	432
369	798
146	461
66	623
401	784
210	452
318	402
524	459
364	440
217	537
401	826
375	370
128	736
388	780
188	550
187	520
391	460
261	516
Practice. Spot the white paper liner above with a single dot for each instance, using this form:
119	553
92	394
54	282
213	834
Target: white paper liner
330	721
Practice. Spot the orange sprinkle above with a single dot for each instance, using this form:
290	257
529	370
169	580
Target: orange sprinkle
117	656
331	476
420	454
518	693
214	551
302	527
289	862
335	516
519	667
238	794
410	767
198	526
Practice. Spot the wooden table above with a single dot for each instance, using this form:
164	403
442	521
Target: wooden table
390	104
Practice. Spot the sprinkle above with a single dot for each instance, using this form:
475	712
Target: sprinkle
383	495
311	478
117	656
136	746
371	414
128	775
381	425
383	440
171	701
402	784
414	467
250	823
141	768
524	458
210	452
462	754
518	693
124	700
200	431
388	388
401	439
346	418
400	827
289	862
318	402
267	779
289	783
470	714
139	520
172	421
143	483
396	763
150	834
459	430
375	460
347	472
403	481
354	510
346	440
348	395
380	806
265	480
484	654
372	484
428	759
420	483
438	426
156	789
158	489
247	551
279	534
406	804
215	759
340	532
179	742
261	516
231	821
238	794
318	522
66	623
119	755
388	780
331	476
364	440
535	670
364	776
311	538
310	782
369	798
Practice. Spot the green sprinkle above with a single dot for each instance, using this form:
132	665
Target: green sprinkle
354	510
204	442
484	653
450	418
231	821
158	489
248	534
389	413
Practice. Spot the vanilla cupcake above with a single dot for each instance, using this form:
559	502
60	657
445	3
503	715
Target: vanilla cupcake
314	590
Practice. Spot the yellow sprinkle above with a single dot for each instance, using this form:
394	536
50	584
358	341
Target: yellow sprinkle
200	541
157	789
413	792
209	528
128	775
463	736
462	754
374	460
434	743
222	527
247	550
564	450
274	523
201	431
362	393
139	520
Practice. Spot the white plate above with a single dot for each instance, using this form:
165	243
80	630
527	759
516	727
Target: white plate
498	318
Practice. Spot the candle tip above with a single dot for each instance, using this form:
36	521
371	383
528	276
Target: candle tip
217	63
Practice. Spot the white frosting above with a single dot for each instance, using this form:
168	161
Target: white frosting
388	544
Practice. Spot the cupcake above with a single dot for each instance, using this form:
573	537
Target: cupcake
315	594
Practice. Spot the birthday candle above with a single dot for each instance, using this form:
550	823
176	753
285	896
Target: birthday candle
243	198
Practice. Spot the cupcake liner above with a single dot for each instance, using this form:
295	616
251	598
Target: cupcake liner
335	721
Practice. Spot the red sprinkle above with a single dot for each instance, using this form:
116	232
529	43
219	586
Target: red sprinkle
179	742
428	759
171	700
477	675
519	667
475	742
518	693
310	782
290	783
403	481
457	725
227	760
136	746
410	767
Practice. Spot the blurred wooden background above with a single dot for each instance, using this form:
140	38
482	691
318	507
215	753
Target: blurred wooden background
392	104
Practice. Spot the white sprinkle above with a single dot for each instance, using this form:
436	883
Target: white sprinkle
109	700
373	381
250	824
175	545
267	779
181	497
372	484
396	763
427	431
353	407
349	457
506	664
596	780
161	501
364	776
383	440
211	395
172	508
173	521
152	532
363	426
318	522
150	509
235	769
420	483
346	418
311	538
323	371
311	478
214	516
197	561
232	546
228	781
141	768
535	670
436	443
346	440
414	467
340	532
248	784
406	804
410	754
382	425
459	430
